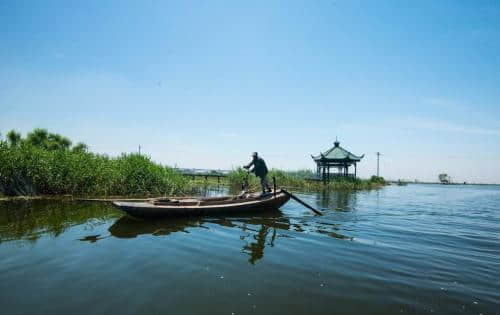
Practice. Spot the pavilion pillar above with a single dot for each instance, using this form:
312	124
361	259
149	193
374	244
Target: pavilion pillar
324	173
355	171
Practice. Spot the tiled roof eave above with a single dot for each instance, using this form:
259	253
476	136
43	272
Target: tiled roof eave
346	159
347	156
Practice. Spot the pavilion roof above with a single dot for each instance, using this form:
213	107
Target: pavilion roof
337	153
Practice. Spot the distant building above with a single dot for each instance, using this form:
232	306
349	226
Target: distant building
336	158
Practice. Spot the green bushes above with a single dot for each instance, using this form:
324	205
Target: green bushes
44	164
288	179
349	183
236	178
377	179
299	180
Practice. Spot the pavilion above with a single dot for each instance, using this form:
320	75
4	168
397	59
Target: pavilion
336	158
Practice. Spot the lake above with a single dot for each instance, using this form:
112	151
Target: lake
413	249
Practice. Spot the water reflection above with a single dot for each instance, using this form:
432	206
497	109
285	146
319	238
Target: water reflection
127	227
29	220
335	235
342	200
417	249
26	222
263	235
93	238
256	249
259	230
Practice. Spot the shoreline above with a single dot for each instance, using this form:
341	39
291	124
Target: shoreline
450	184
138	197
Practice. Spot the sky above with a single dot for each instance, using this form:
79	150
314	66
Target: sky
203	84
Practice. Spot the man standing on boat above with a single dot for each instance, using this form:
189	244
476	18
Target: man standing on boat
260	170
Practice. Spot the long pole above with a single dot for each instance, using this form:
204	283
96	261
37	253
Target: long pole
301	202
378	168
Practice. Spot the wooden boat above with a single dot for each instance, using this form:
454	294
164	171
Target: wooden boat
193	206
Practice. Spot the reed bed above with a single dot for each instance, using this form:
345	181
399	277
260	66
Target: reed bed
45	164
298	179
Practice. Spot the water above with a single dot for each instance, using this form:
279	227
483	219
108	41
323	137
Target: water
414	249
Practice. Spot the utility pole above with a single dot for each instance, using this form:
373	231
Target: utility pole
139	149
378	167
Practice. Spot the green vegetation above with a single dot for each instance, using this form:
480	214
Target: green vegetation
357	184
298	179
45	163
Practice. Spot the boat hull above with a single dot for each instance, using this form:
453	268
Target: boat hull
146	210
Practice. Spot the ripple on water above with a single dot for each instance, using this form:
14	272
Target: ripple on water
417	249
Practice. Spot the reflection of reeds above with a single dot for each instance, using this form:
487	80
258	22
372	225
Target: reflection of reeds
30	220
45	163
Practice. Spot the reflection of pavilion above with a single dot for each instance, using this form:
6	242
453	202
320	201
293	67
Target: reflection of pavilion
337	199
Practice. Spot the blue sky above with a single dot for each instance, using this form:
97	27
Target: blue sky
205	83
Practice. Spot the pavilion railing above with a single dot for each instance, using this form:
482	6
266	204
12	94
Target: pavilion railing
331	176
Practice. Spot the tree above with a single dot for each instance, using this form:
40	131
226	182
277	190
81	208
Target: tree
13	138
57	142
38	137
79	147
50	141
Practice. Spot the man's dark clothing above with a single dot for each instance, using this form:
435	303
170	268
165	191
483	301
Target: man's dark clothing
259	167
260	170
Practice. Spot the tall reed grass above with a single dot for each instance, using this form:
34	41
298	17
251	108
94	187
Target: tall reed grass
47	165
298	179
44	163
